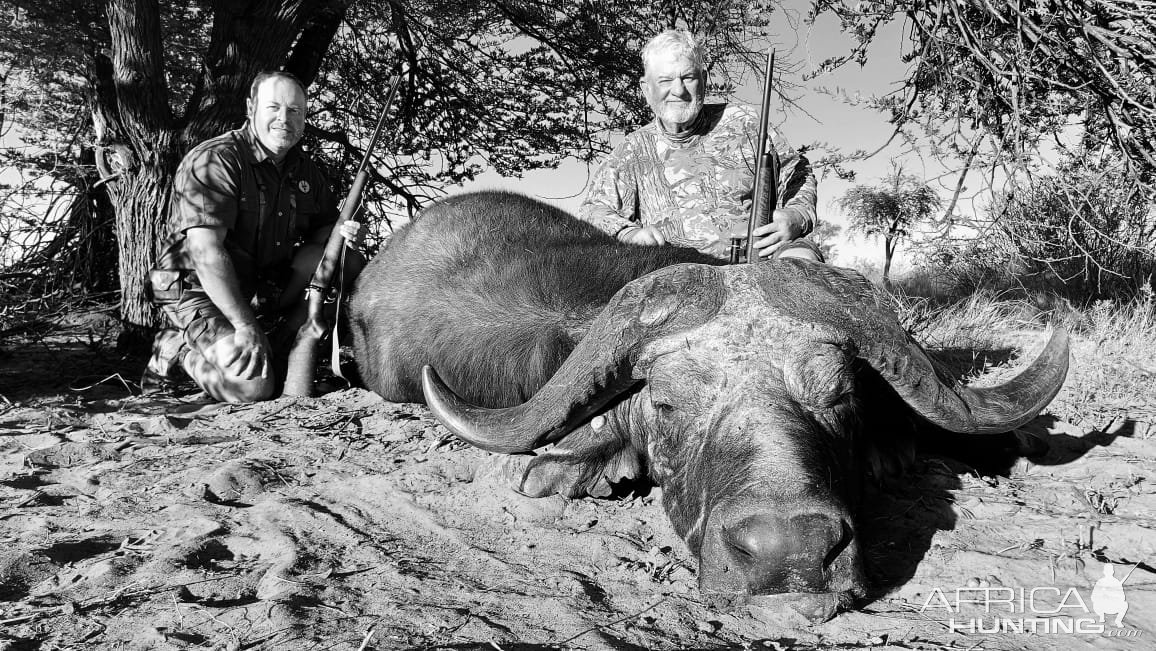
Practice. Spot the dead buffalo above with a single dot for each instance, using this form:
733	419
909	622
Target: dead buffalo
750	394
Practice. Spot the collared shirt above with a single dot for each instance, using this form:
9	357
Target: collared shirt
231	182
692	187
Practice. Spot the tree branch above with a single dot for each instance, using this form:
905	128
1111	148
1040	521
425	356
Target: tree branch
310	49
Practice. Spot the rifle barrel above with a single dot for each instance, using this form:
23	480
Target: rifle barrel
393	84
760	161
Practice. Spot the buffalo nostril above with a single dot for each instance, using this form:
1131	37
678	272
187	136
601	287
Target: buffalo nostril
844	541
756	538
779	554
823	534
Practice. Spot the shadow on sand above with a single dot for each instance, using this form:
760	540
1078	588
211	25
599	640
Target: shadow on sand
900	517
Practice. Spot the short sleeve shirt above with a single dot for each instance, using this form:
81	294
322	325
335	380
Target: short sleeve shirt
693	188
230	182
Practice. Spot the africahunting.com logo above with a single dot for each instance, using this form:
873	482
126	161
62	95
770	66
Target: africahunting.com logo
1040	610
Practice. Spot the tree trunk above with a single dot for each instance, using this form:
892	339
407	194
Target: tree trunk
134	130
141	198
888	254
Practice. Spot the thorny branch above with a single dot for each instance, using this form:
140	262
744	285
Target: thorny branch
1027	77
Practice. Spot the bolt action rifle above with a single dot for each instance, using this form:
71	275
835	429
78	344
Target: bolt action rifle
765	195
303	355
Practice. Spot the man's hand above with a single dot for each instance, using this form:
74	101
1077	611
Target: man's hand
784	227
642	236
351	231
245	357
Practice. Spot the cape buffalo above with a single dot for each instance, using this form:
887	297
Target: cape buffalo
749	393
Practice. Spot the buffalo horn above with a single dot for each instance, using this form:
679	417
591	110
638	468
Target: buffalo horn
988	410
849	305
599	368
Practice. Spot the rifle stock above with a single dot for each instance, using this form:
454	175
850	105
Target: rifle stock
303	354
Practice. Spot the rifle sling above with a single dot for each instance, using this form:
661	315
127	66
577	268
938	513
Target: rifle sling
335	351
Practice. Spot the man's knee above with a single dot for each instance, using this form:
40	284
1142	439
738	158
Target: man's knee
800	253
308	256
802	249
305	262
301	269
306	259
354	263
223	385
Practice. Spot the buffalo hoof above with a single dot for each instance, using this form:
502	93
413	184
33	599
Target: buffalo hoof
533	478
553	478
562	471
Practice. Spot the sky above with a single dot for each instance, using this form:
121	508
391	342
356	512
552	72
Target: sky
819	117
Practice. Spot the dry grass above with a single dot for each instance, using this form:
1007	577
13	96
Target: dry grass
1112	378
1114	368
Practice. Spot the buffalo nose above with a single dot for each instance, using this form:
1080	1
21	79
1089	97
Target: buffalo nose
778	554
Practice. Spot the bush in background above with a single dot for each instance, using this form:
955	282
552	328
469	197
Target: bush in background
1085	234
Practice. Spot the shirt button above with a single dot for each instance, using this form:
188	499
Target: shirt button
280	213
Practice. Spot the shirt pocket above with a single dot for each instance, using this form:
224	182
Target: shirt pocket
306	207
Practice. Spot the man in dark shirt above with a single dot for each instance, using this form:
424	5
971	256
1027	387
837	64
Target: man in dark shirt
250	216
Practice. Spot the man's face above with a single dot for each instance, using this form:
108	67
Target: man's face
278	115
674	88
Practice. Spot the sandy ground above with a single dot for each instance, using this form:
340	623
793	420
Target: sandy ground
347	522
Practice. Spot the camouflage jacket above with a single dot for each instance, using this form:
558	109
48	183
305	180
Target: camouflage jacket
693	187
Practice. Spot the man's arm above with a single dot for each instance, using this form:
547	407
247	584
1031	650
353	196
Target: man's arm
206	249
798	195
609	204
799	190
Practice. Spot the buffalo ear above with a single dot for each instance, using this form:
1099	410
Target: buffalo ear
581	466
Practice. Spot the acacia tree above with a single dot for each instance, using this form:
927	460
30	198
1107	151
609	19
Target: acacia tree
890	210
504	84
1018	74
992	85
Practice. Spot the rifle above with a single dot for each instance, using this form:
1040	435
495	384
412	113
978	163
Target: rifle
765	197
303	355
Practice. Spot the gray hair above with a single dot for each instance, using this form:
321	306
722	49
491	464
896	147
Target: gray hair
674	41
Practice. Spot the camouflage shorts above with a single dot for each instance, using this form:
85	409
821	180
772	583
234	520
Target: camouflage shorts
202	323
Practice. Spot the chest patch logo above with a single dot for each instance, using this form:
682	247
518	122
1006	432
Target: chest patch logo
303	186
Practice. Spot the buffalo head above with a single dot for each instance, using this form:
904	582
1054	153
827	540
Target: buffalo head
743	390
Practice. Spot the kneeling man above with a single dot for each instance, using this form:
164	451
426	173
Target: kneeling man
250	215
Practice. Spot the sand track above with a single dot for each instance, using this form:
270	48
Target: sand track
316	523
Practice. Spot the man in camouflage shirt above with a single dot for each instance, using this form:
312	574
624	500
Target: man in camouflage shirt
687	177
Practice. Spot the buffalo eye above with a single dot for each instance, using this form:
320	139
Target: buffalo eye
822	379
663	409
